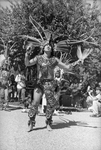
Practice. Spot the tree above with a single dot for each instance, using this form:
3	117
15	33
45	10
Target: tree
73	21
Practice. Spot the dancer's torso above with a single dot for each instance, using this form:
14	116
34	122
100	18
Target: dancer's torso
45	67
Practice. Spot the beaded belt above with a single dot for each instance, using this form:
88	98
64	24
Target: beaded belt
46	80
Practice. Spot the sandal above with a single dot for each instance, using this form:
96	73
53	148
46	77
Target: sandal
99	115
93	115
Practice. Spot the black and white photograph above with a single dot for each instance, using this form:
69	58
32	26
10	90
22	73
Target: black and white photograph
50	74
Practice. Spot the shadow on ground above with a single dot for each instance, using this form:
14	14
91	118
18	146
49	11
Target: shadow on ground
68	123
10	108
36	129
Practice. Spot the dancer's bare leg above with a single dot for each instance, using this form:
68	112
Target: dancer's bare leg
35	103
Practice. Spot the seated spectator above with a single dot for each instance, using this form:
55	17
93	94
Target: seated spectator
96	107
4	83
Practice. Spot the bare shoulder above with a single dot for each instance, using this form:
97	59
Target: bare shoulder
33	60
57	58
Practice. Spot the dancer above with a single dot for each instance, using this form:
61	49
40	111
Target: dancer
46	64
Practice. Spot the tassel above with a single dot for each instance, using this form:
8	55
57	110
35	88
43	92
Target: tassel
82	56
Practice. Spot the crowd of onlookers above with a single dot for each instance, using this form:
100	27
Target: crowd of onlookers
17	89
67	94
70	95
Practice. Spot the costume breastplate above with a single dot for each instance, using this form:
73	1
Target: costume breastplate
46	67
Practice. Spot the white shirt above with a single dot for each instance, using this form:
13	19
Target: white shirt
20	81
98	97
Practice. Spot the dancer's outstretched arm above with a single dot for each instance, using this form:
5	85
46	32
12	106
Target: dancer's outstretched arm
68	67
30	62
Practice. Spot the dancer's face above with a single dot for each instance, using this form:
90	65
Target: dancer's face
97	91
57	74
100	84
47	49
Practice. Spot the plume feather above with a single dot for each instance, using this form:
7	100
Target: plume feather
31	38
38	25
30	19
79	52
82	56
2	58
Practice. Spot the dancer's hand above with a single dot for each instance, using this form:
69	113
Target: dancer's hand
27	54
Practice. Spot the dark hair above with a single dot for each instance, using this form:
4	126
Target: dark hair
5	67
98	88
52	49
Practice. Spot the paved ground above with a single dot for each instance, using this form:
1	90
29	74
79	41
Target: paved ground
70	132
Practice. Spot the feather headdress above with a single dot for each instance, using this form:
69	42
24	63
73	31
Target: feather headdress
44	37
57	41
83	55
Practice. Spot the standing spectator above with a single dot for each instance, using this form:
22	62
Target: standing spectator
65	99
4	83
75	93
89	101
12	88
20	79
58	77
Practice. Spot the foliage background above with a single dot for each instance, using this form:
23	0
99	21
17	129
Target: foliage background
70	19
